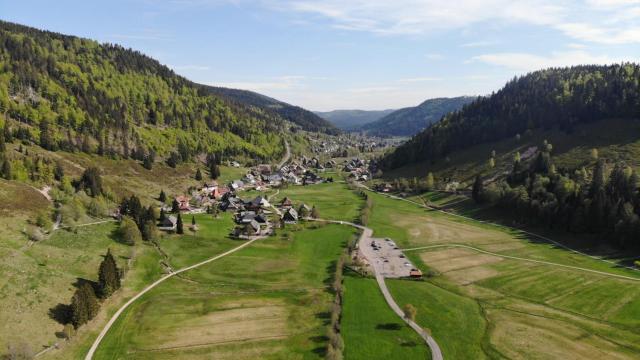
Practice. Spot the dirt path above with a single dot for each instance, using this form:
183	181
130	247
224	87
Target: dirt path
115	316
365	238
286	157
523	259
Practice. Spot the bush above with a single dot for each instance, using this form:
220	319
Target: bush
129	233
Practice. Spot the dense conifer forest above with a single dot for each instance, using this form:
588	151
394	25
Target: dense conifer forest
74	94
553	98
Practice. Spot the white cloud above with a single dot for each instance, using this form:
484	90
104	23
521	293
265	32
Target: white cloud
603	35
529	62
586	21
419	79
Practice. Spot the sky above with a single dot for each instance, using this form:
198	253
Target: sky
352	54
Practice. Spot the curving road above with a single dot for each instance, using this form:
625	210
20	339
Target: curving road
365	238
115	316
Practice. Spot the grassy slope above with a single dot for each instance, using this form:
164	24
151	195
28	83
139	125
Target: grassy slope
268	299
371	329
615	139
333	200
512	294
42	275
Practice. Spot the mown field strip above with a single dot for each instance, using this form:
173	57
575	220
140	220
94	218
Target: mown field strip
524	259
115	316
503	226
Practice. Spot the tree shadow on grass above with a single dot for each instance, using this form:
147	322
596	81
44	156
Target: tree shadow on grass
62	313
389	326
409	344
325	316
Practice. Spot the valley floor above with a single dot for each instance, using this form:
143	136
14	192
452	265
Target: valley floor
491	292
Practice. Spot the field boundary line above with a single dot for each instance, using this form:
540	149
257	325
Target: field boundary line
115	316
425	206
523	259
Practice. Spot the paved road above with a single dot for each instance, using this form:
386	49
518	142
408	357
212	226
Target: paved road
115	316
287	155
365	238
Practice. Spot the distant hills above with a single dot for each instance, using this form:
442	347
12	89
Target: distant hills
352	119
409	121
306	119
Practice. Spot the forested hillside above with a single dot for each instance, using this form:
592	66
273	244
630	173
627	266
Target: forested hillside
306	119
584	181
353	119
558	97
74	94
409	121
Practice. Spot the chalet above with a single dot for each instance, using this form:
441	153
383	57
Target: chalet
415	273
219	192
183	203
286	203
264	169
234	164
169	223
255	225
290	216
236	185
232	203
257	203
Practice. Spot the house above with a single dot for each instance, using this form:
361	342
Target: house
415	273
236	185
234	164
218	192
257	203
232	203
286	203
183	202
169	223
290	216
264	169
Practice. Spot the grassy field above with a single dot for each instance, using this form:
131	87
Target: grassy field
269	300
41	277
333	200
371	330
493	297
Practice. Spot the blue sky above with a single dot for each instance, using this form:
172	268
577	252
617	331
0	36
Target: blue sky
365	54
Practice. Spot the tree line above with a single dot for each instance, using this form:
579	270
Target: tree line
603	200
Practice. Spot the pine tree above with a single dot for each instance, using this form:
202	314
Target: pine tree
147	163
214	171
198	175
6	169
84	305
179	226
58	171
193	220
477	190
314	212
175	206
162	215
162	197
108	276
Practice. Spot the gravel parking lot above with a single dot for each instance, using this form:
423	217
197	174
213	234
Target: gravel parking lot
385	256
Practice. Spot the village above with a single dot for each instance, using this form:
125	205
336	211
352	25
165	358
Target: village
255	215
